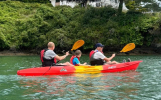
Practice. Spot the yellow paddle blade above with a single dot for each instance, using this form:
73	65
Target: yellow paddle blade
128	47
77	44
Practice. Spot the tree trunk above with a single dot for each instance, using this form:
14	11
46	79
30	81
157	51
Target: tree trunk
87	3
120	7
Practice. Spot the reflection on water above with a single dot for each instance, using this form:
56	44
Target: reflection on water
47	85
79	86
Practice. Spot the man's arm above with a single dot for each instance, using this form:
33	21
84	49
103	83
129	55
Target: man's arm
110	58
61	57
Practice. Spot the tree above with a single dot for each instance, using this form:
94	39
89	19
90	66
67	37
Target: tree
120	7
142	5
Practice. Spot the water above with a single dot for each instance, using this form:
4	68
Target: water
142	84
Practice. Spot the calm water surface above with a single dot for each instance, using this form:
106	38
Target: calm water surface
142	84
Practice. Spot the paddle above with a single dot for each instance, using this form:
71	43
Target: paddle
77	44
128	47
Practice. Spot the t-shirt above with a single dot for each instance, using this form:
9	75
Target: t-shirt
49	54
75	61
98	55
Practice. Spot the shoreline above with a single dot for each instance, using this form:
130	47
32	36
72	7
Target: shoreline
133	52
13	53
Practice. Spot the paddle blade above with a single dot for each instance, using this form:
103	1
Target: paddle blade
128	47
78	44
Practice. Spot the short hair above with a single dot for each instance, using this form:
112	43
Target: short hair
51	44
77	52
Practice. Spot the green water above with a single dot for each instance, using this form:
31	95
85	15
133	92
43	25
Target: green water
142	84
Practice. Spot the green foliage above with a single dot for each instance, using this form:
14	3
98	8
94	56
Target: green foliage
129	35
30	1
3	42
59	37
31	26
95	16
133	6
143	5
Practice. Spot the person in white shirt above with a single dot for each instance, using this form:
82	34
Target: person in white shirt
98	58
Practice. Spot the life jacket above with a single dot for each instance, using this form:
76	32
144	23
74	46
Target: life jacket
71	60
94	61
46	62
91	53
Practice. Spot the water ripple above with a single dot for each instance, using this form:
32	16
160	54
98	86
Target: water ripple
143	84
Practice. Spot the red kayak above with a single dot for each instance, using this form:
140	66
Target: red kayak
63	70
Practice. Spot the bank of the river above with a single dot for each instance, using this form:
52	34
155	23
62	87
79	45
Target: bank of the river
141	51
12	53
136	51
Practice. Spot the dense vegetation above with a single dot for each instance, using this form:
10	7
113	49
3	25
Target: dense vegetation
30	26
30	1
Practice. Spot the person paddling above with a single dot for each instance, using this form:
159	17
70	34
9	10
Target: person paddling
75	59
98	58
49	57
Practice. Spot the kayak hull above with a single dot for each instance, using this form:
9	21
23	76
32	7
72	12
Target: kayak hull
121	67
63	70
